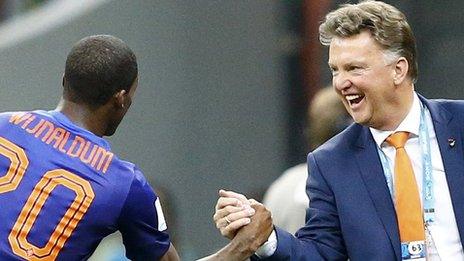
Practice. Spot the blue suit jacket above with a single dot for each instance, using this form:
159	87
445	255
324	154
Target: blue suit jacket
351	214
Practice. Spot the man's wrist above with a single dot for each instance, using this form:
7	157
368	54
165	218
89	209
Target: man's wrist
231	251
269	247
235	250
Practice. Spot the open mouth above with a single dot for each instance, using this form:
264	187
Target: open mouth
354	99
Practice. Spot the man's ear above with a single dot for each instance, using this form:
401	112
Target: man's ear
120	99
400	71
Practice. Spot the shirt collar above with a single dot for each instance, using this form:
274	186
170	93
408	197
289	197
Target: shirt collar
410	124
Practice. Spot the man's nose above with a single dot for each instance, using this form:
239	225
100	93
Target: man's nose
341	81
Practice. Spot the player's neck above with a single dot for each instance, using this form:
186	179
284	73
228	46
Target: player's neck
91	119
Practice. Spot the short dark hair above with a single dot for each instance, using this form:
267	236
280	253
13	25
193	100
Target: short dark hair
97	67
387	25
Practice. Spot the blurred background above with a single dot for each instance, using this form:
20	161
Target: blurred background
223	87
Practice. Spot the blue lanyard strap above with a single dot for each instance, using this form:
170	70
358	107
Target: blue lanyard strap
387	171
427	181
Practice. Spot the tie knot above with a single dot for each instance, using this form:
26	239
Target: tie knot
398	139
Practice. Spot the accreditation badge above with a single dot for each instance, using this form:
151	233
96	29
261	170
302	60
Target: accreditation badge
414	250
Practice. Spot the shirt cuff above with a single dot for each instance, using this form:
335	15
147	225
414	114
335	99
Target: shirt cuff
269	247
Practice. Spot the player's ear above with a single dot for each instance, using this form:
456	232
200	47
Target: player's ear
120	99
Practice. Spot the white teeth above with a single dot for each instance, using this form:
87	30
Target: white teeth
352	97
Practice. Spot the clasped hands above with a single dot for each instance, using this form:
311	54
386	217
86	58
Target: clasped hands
245	221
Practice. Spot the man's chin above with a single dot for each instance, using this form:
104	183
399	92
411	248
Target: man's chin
110	132
360	120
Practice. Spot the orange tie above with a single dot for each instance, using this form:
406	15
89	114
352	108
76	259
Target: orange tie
407	197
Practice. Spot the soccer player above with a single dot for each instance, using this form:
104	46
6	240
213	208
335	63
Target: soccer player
61	187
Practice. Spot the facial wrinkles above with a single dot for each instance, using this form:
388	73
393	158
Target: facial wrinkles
354	61
346	66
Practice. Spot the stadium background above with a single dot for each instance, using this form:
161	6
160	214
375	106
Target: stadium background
223	86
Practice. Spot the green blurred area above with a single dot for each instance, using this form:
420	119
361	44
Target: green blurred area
31	4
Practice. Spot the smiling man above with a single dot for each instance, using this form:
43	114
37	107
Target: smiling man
389	186
368	81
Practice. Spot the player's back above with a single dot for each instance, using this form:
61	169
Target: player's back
61	188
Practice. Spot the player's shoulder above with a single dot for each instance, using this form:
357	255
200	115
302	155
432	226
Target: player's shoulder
11	116
129	172
137	186
8	115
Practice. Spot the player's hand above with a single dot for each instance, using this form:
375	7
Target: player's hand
233	211
250	237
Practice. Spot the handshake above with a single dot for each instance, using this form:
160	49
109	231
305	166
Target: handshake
246	222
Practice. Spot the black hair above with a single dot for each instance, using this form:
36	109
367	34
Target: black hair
97	67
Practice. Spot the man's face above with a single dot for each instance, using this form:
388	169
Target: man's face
363	79
119	115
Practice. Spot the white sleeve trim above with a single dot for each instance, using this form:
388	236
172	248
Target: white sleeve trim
161	221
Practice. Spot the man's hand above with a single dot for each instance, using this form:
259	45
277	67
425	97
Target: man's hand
249	237
233	211
256	233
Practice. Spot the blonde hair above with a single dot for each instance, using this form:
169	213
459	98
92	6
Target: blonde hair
387	25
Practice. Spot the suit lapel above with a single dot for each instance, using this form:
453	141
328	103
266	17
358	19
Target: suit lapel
372	173
447	129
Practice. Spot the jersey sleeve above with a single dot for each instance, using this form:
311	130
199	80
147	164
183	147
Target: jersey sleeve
142	223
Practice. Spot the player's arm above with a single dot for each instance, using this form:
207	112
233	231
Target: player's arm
246	237
232	251
171	254
142	224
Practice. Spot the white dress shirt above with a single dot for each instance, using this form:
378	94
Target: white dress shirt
444	230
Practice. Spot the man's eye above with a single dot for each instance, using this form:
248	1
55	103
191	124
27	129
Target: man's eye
356	69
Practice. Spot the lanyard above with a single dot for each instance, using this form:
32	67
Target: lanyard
427	181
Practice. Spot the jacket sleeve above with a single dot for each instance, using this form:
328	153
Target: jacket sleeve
321	237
